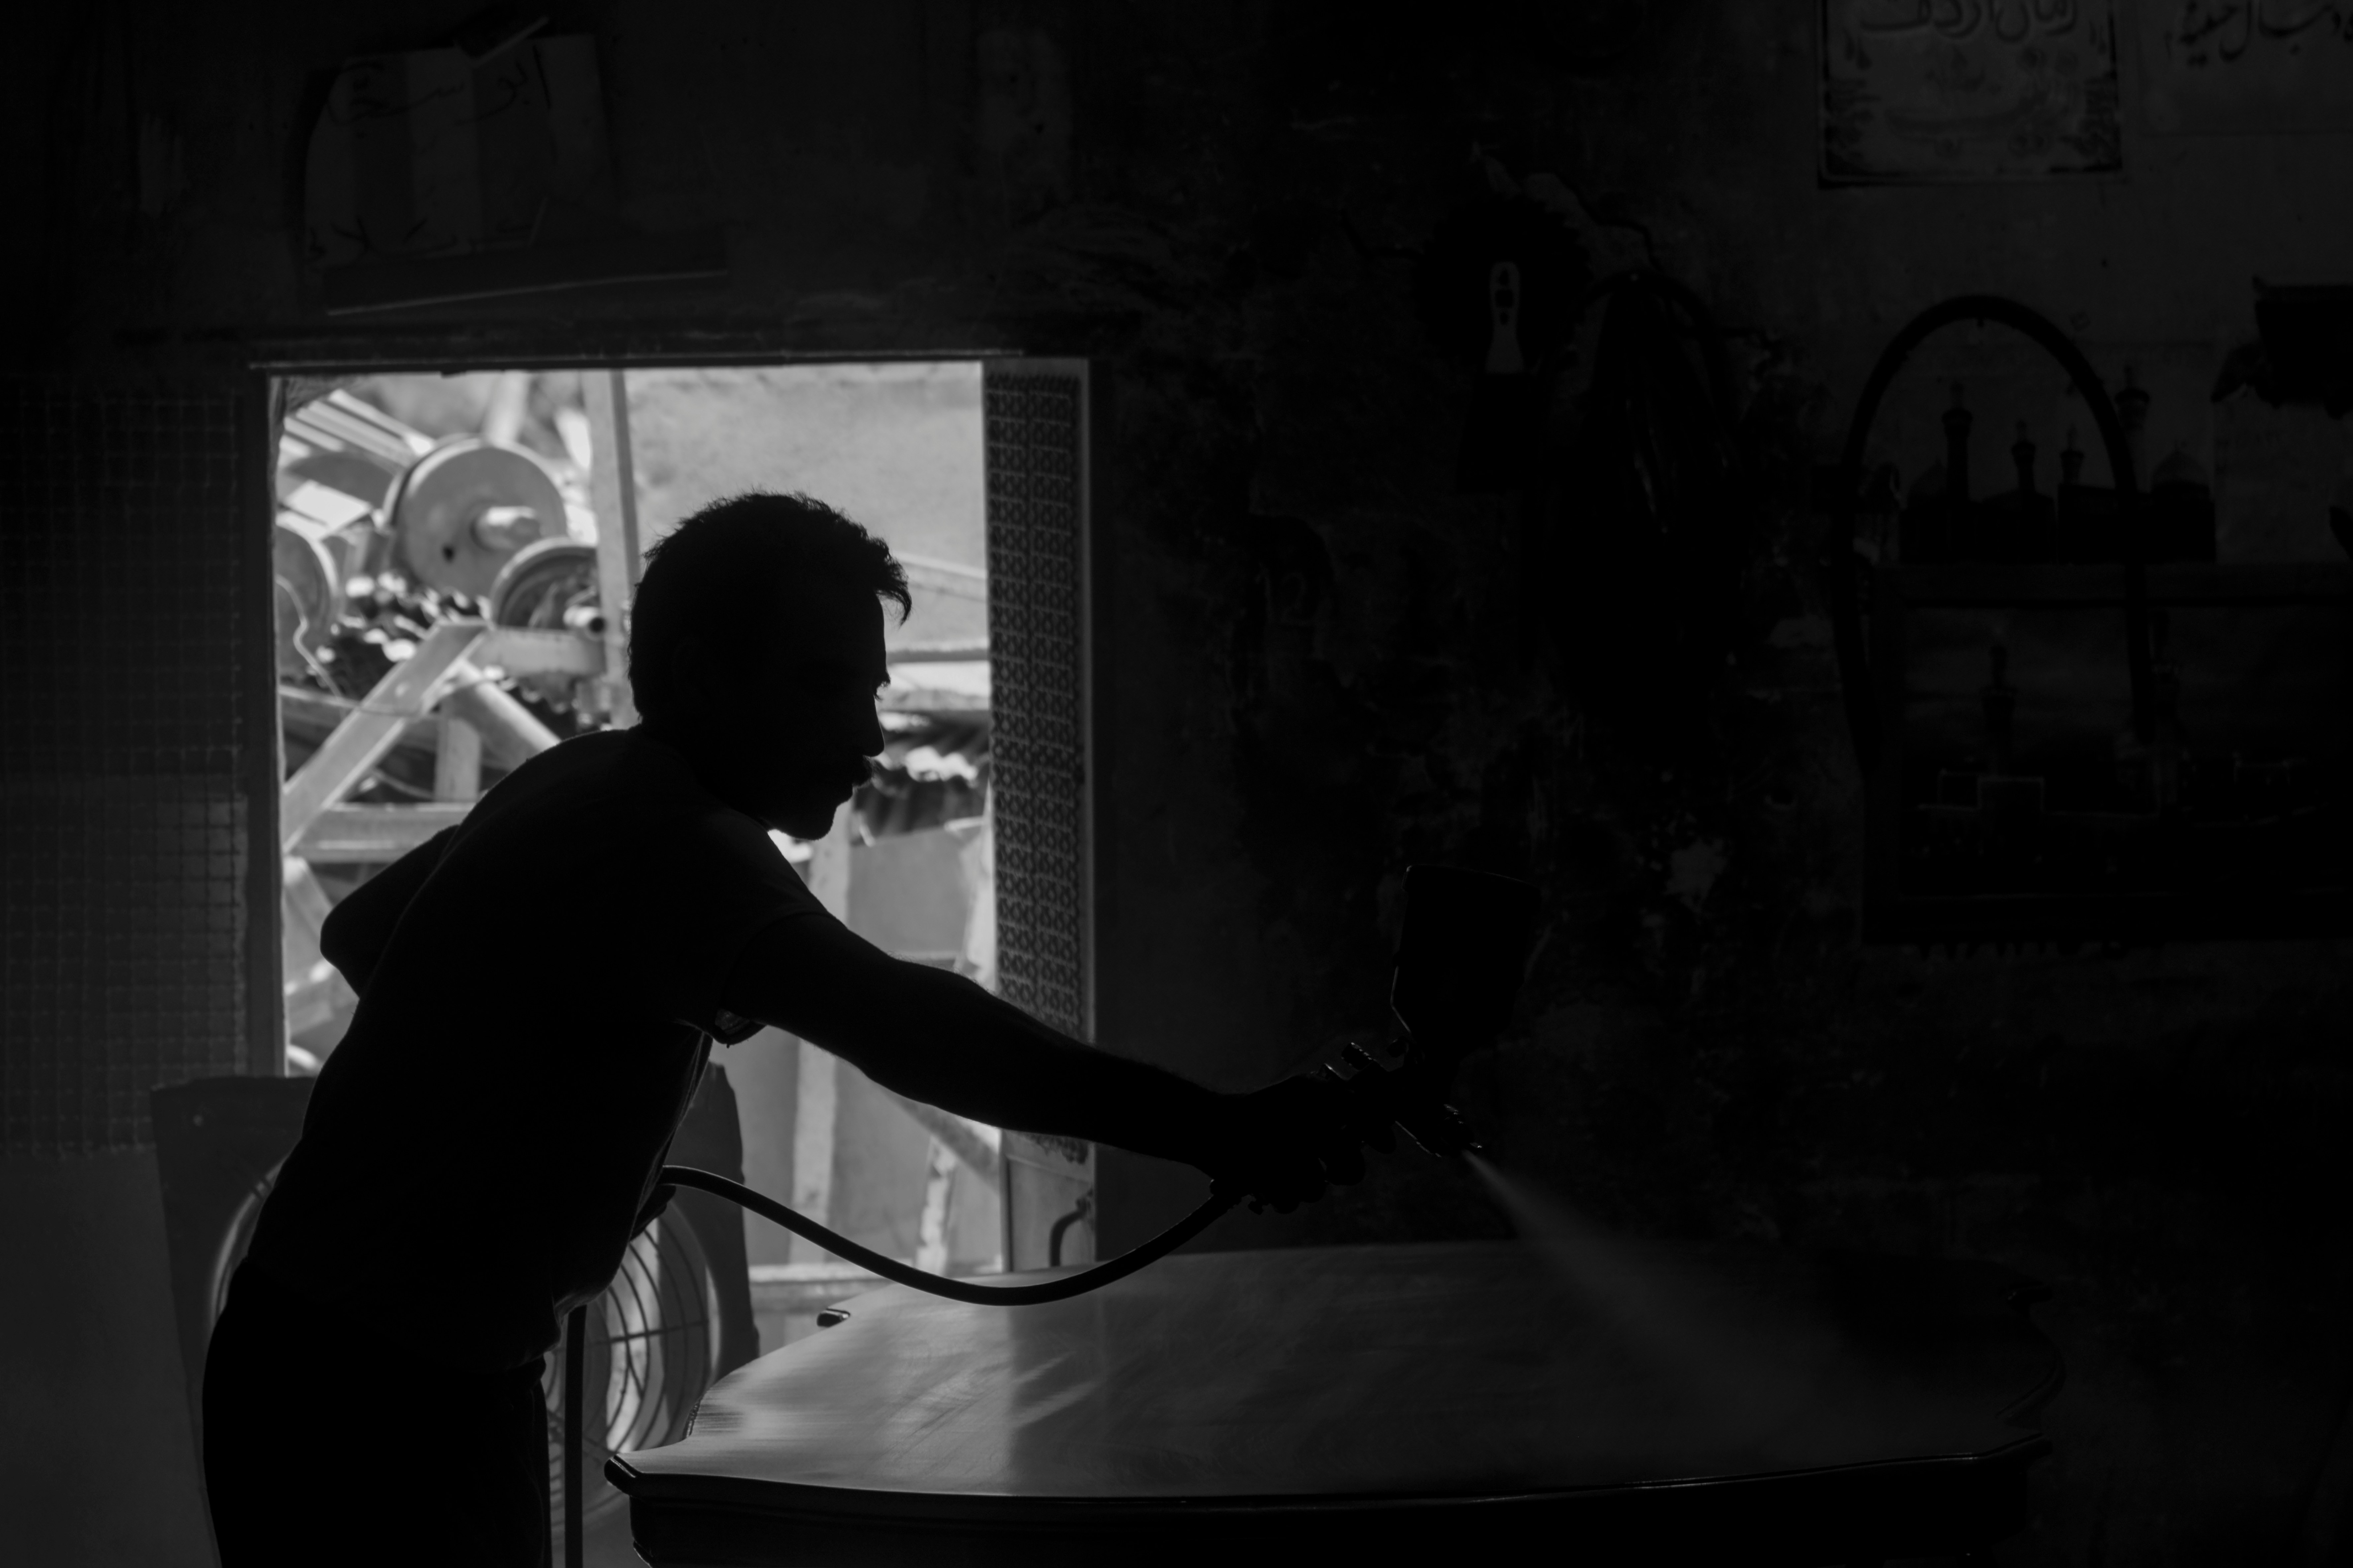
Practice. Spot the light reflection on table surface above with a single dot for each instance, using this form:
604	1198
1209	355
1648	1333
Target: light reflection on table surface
1452	1370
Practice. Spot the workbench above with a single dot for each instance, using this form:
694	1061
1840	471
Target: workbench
1765	1404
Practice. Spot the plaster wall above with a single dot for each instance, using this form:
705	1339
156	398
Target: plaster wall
97	1461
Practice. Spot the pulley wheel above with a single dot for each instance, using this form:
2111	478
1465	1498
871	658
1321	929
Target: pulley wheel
550	586
306	574
466	510
546	585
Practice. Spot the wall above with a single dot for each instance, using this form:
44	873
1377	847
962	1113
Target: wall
96	1461
1320	656
1705	1049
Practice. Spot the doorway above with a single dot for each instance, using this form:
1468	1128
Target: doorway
446	546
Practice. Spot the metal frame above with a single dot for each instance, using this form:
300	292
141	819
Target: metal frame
444	348
431	352
1048	1183
262	404
620	559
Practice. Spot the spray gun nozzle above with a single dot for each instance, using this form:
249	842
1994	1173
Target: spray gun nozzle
1403	1098
1460	959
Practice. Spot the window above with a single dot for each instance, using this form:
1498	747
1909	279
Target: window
445	548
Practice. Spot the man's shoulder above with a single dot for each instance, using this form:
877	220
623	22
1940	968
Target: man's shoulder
620	785
603	761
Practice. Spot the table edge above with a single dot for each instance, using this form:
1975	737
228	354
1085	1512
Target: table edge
840	1504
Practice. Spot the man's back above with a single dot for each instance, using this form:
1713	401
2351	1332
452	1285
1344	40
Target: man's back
536	987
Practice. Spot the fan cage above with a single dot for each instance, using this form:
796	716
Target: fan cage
653	1347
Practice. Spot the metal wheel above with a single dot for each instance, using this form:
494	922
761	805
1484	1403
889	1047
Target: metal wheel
467	509
550	586
305	570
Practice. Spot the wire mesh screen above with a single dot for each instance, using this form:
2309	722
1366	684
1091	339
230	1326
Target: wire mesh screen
1036	652
125	823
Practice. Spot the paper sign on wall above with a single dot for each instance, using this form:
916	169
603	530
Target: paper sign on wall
2244	67
1926	92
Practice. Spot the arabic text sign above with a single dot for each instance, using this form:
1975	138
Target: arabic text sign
1969	90
2226	66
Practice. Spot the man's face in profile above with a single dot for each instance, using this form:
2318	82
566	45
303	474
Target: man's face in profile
784	718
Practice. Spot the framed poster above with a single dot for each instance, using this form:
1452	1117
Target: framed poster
1933	91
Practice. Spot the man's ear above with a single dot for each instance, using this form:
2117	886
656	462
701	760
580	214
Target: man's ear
698	671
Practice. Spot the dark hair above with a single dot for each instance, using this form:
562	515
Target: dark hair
723	571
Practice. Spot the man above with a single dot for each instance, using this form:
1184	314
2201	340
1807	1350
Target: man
539	987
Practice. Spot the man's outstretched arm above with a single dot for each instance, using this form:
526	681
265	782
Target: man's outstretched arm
935	1037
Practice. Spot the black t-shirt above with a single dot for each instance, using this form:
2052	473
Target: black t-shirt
529	1035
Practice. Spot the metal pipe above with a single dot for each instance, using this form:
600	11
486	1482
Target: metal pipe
512	734
575	1395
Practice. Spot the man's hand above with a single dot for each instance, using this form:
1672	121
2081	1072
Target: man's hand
1286	1144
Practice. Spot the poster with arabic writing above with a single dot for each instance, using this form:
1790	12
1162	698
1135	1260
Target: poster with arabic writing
1928	92
2221	67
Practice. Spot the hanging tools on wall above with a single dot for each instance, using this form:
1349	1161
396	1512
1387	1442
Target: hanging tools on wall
1641	537
1500	289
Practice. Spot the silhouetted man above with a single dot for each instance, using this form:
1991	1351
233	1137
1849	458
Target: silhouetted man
539	987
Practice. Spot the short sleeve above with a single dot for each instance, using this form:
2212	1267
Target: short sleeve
733	1028
713	883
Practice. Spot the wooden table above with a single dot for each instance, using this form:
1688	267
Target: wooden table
1765	1404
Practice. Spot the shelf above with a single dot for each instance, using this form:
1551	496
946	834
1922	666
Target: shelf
2174	582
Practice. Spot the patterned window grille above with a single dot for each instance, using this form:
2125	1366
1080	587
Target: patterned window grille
132	592
1036	433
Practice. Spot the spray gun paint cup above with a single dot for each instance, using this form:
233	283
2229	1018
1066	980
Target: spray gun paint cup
1460	959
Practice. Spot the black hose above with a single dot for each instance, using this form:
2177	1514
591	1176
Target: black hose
968	1290
1846	612
976	1292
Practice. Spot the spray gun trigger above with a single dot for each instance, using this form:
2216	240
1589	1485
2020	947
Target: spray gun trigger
1370	1097
1374	1098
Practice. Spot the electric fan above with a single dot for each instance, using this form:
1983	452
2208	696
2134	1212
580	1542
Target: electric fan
653	1347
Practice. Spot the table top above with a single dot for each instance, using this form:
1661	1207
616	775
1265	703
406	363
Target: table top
1456	1370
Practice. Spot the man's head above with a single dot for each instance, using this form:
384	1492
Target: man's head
756	647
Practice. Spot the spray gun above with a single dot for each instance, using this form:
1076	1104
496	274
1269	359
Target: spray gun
1459	963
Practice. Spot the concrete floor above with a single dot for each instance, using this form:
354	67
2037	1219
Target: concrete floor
605	1544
